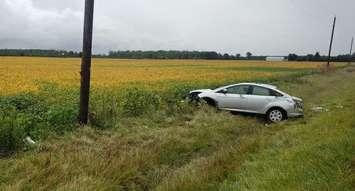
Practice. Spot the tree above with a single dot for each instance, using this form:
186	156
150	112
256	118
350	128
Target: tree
237	56
249	54
317	57
352	57
226	56
292	57
309	57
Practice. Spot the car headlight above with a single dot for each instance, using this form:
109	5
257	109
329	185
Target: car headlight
290	101
299	104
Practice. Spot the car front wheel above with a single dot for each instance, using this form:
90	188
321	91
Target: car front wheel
275	115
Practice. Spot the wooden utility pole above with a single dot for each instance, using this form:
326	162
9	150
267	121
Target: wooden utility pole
351	50
331	44
86	62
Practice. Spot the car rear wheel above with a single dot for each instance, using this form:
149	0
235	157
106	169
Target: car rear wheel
275	115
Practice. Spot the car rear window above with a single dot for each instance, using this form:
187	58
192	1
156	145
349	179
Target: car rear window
260	91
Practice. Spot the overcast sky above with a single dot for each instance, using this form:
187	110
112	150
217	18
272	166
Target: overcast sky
268	27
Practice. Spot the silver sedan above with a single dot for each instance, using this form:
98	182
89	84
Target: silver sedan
253	98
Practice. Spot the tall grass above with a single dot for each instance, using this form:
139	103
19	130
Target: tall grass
174	146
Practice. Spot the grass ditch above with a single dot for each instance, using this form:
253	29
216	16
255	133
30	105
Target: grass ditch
316	154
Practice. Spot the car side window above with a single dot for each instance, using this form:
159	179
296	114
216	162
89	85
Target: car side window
243	90
260	91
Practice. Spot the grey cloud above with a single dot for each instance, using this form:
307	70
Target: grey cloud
272	27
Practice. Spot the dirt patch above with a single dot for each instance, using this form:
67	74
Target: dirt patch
350	69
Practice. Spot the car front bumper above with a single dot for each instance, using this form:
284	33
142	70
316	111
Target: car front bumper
297	112
292	115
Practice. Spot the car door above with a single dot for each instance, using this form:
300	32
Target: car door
234	98
259	98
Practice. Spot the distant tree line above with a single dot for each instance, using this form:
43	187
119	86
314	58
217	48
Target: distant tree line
160	54
39	53
174	54
321	58
171	54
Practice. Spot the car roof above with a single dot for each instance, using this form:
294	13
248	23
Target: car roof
256	84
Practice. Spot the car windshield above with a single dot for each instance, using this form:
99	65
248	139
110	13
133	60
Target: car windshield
224	87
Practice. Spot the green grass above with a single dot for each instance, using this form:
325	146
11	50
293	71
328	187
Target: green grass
184	148
315	156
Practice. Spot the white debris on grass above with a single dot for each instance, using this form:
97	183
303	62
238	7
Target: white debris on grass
29	140
339	106
319	109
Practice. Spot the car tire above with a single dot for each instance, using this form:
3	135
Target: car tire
193	97
275	115
210	102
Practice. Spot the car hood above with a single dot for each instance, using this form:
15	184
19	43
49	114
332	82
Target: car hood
201	91
296	98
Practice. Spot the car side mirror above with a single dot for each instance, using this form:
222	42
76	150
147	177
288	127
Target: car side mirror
224	91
